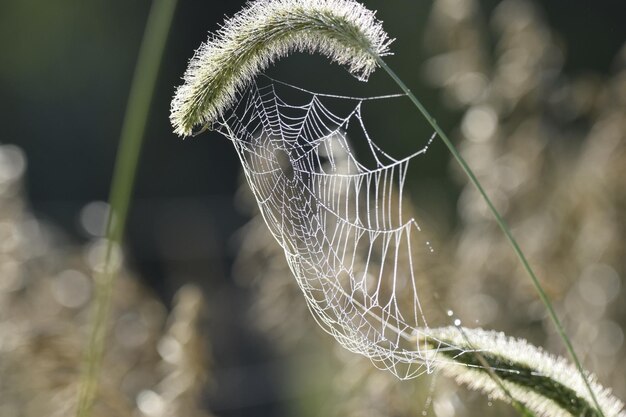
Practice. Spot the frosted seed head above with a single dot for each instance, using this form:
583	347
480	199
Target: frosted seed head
266	30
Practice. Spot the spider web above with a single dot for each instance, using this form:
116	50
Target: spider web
342	226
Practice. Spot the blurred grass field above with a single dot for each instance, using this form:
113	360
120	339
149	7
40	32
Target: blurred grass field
536	103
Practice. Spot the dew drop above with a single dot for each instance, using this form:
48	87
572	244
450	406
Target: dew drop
450	313
457	322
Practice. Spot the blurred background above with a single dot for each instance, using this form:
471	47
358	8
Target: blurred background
208	320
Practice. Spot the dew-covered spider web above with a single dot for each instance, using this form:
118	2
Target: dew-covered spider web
343	225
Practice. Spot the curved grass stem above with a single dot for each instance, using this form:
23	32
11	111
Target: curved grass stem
135	119
503	226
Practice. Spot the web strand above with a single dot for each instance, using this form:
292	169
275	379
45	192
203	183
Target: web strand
340	223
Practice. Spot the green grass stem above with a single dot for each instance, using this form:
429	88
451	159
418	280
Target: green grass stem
503	226
131	138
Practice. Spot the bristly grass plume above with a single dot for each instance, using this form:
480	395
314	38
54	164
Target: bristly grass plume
349	34
265	30
546	384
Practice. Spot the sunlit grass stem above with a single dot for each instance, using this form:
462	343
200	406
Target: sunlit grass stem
501	223
131	138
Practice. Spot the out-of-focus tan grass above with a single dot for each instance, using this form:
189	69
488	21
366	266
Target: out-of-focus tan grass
551	148
155	363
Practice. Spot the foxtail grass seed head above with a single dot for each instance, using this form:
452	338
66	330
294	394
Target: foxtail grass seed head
546	384
265	30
